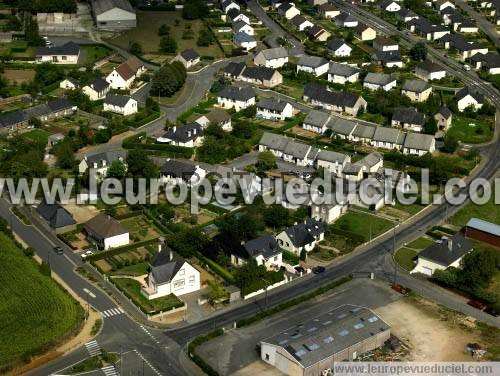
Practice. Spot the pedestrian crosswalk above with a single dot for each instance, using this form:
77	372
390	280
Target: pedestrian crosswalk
93	348
149	334
110	371
112	312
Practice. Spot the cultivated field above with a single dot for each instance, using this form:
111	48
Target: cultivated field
19	76
35	312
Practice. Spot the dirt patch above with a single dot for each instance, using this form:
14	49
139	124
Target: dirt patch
103	265
19	76
428	332
81	243
81	213
258	368
303	132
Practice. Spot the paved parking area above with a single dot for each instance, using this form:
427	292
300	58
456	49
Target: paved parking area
235	352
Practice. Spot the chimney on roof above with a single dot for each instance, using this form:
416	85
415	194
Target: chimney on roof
171	255
450	244
161	243
174	128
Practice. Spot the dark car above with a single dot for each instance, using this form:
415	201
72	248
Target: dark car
476	304
318	269
299	269
491	311
58	250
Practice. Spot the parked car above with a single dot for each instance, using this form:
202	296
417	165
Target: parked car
300	269
58	250
318	269
476	304
86	254
491	311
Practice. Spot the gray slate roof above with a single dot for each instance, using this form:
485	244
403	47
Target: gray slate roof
237	93
343	70
415	86
312	61
305	232
297	149
331	156
335	43
101	6
272	104
69	48
273	141
107	156
190	54
316	118
184	133
178	169
364	131
474	94
274	53
56	215
440	253
380	79
117	99
408	115
265	245
418	141
384	134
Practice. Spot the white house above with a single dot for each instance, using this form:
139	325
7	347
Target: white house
339	48
301	23
170	274
390	6
273	109
445	253
315	65
272	57
106	232
381	43
68	53
429	71
97	89
227	5
242	27
330	209
468	98
302	236
216	117
332	161
236	97
288	10
246	41
264	250
419	144
342	73
100	162
379	81
188	57
69	83
180	171
123	76
120	104
187	135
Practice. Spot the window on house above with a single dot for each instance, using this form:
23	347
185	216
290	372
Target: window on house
191	279
182	272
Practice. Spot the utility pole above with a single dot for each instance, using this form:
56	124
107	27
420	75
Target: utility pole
394	252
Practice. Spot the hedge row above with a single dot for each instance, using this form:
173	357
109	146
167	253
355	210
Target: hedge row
224	273
118	250
205	367
290	257
47	89
446	230
290	303
155	115
130	214
132	142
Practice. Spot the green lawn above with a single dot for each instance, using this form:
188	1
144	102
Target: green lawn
360	224
95	53
420	243
146	33
136	270
39	135
489	212
132	289
404	257
35	311
472	131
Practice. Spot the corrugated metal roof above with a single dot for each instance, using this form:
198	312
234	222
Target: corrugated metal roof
482	225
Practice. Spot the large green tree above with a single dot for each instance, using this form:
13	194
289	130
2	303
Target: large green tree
168	79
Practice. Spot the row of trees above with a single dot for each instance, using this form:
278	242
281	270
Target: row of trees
44	6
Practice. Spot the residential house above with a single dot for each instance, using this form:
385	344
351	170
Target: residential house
234	15
419	144
242	27
274	109
427	30
406	15
318	34
332	161
188	135
464	47
51	110
469	98
346	102
443	4
388	59
443	118
363	133
317	2
489	62
234	70
267	77
328	11
330	209
339	48
69	83
302	237
106	232
315	65
188	57
316	121
381	43
275	143
170	274
57	217
236	97
364	32
113	15
301	23
341	128
379	81
408	118
391	6
13	121
264	250
68	53
288	10
245	41
299	153
123	76
443	254
100	162
216	117
346	20
181	172
429	71
97	89
120	104
416	90
342	73
272	57
227	5
388	138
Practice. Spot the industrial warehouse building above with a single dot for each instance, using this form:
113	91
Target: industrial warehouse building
483	231
113	14
311	347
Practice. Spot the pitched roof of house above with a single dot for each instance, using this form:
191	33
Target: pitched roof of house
489	60
238	25
327	7
258	73
117	99
55	214
165	265
418	141
408	115
335	43
441	254
244	37
286	6
380	79
320	93
343	70
361	28
341	126
273	141
445	112
297	149
467	91
99	84
345	17
387	56
272	104
178	169
59	105
237	93
12	118
364	131
392	135
104	226
331	156
385	3
485	226
415	86
305	232
69	48
218	116
189	54
104	158
74	81
184	133
298	20
316	118
429	67
234	69
460	43
312	61
101	6
265	245
384	41
274	53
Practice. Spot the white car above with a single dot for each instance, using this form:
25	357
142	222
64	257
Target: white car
87	254
467	67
